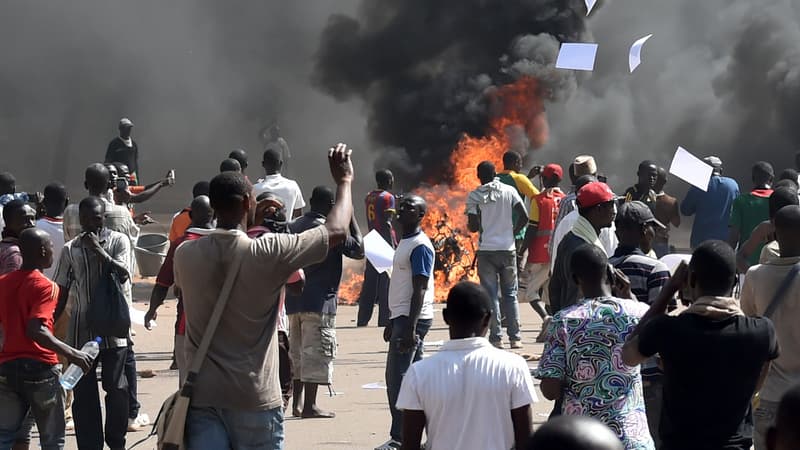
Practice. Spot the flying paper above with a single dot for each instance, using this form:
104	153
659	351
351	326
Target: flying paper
378	251
589	5
691	169
576	56
635	56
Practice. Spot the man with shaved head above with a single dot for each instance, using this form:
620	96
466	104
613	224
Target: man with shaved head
286	189
236	400
241	156
574	433
84	263
312	314
410	304
752	208
230	165
202	216
97	181
772	290
29	366
644	189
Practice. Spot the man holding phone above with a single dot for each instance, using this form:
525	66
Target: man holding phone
714	357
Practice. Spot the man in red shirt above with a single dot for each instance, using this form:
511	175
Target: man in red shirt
537	241
202	216
29	370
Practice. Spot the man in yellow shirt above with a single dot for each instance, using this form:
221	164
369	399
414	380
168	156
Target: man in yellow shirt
512	165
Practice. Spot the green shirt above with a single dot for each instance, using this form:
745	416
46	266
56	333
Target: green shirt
747	212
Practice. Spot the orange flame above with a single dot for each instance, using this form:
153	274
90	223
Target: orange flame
515	109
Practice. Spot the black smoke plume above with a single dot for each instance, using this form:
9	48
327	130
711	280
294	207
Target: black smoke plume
719	77
422	68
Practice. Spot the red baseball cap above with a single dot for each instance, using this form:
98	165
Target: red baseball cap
553	170
595	193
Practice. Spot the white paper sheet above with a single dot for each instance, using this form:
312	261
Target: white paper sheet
589	5
576	56
378	251
635	56
691	169
374	386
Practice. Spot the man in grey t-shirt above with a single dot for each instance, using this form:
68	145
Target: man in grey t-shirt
238	390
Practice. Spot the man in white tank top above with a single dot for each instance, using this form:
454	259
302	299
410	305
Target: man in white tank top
410	304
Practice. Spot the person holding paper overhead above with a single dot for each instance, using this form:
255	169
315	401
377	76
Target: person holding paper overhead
379	205
312	314
712	209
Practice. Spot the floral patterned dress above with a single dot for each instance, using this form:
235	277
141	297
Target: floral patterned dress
584	350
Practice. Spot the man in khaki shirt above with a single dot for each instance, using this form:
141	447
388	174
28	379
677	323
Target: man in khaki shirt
760	285
237	397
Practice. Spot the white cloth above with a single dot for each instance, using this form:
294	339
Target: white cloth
494	203
467	391
401	285
286	189
55	228
608	236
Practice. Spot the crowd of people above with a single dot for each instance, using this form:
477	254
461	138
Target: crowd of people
646	346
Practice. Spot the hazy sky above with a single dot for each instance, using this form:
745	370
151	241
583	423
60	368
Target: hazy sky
199	78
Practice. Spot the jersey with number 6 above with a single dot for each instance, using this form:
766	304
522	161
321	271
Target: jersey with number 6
380	204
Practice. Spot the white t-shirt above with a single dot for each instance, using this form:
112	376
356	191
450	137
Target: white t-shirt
55	228
401	285
286	189
608	236
467	391
494	203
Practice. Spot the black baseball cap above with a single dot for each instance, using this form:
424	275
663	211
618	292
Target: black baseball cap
636	213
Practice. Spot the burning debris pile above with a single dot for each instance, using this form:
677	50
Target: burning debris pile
447	85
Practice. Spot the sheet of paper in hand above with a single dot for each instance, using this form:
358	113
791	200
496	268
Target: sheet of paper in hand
691	169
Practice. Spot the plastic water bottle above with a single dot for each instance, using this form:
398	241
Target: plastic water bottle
74	373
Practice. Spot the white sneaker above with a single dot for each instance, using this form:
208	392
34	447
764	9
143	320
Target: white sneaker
139	423
391	444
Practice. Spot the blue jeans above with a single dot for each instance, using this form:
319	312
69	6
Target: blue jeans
31	386
214	428
502	266
397	363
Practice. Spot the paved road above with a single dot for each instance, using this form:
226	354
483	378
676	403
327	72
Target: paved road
362	420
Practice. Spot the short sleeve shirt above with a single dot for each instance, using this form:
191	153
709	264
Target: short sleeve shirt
715	363
26	295
241	369
584	350
287	190
483	384
79	270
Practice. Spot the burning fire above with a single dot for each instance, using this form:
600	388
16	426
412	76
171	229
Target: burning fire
516	109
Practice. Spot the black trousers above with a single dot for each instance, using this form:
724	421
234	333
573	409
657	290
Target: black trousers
130	377
89	430
374	290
